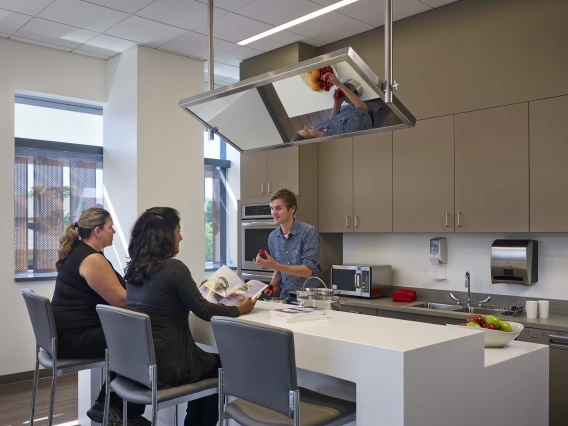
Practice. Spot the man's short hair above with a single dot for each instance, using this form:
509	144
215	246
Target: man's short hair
285	195
298	137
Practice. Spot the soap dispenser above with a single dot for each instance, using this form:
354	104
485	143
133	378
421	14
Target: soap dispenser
439	257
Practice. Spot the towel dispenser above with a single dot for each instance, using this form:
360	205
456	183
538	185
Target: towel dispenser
514	262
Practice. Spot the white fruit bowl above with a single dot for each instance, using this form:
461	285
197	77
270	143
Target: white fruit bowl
496	338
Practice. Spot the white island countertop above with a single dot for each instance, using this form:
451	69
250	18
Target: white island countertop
404	373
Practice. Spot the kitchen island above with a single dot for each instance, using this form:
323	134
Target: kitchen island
403	373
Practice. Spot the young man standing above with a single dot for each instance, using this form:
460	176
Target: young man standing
293	247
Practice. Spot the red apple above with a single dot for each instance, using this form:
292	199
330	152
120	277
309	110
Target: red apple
489	326
475	318
463	324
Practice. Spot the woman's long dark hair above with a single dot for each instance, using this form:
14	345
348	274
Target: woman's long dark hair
151	240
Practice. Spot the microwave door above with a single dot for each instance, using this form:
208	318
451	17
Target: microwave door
347	281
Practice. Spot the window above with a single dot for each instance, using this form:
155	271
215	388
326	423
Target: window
220	208
53	182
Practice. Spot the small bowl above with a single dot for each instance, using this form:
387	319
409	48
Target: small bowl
497	338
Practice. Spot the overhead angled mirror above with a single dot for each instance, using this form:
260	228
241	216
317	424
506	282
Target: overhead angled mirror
320	99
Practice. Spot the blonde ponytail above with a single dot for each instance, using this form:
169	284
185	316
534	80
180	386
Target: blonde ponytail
90	219
66	244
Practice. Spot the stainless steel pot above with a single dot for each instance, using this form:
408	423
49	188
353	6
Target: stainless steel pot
355	87
275	300
331	303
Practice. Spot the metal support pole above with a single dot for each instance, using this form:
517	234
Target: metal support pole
388	51
211	63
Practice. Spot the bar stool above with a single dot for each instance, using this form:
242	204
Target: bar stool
43	324
268	395
130	354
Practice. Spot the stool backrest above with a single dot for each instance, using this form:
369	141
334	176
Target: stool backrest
41	317
259	363
129	341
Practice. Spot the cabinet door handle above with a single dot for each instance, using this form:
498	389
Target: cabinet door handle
269	183
447	216
459	219
348	221
262	187
356	222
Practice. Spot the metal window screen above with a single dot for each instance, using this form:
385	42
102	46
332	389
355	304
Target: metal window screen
83	183
21	215
48	212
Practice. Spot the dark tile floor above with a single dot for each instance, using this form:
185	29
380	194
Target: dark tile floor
15	400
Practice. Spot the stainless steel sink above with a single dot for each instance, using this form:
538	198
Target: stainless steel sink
440	306
482	311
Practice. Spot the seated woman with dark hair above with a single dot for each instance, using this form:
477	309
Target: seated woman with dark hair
85	279
162	288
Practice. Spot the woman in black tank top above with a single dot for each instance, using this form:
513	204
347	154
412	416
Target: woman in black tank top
85	279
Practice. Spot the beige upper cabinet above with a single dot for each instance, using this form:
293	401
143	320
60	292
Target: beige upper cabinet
423	177
336	186
492	170
265	172
548	156
372	183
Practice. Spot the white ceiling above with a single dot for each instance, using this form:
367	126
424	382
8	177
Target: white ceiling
105	28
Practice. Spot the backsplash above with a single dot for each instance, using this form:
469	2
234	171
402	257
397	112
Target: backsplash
409	256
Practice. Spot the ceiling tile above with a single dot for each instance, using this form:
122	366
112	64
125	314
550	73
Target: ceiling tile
235	28
197	45
11	21
274	41
438	3
231	5
29	7
236	56
145	31
313	42
55	33
331	27
105	45
93	55
373	13
128	6
39	43
188	14
277	12
3	35
83	15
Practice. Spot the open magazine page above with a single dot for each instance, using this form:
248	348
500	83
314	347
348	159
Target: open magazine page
238	294
225	287
219	284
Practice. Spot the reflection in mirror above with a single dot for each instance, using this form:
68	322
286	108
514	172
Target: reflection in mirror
292	106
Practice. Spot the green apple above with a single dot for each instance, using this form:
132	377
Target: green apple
473	324
493	320
505	326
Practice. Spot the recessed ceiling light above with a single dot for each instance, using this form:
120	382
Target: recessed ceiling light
297	21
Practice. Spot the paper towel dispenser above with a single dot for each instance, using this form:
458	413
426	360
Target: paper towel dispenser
514	262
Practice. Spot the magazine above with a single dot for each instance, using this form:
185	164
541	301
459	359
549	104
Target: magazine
297	314
226	288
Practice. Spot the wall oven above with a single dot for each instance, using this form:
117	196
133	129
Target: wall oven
256	225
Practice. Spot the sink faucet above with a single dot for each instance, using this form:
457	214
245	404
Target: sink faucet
468	286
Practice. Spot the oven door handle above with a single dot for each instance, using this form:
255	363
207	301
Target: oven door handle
256	277
267	224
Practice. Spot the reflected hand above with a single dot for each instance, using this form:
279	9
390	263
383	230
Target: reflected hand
247	306
332	78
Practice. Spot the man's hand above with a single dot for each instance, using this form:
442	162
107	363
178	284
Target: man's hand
271	290
247	306
269	262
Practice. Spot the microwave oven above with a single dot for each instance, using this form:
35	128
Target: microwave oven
361	280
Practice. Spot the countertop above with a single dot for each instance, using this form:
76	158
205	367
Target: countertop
555	321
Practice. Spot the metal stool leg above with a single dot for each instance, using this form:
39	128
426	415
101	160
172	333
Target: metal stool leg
154	380
176	415
107	390
53	381
34	390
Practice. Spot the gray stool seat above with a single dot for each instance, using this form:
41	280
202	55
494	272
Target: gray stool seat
315	410
139	394
47	362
